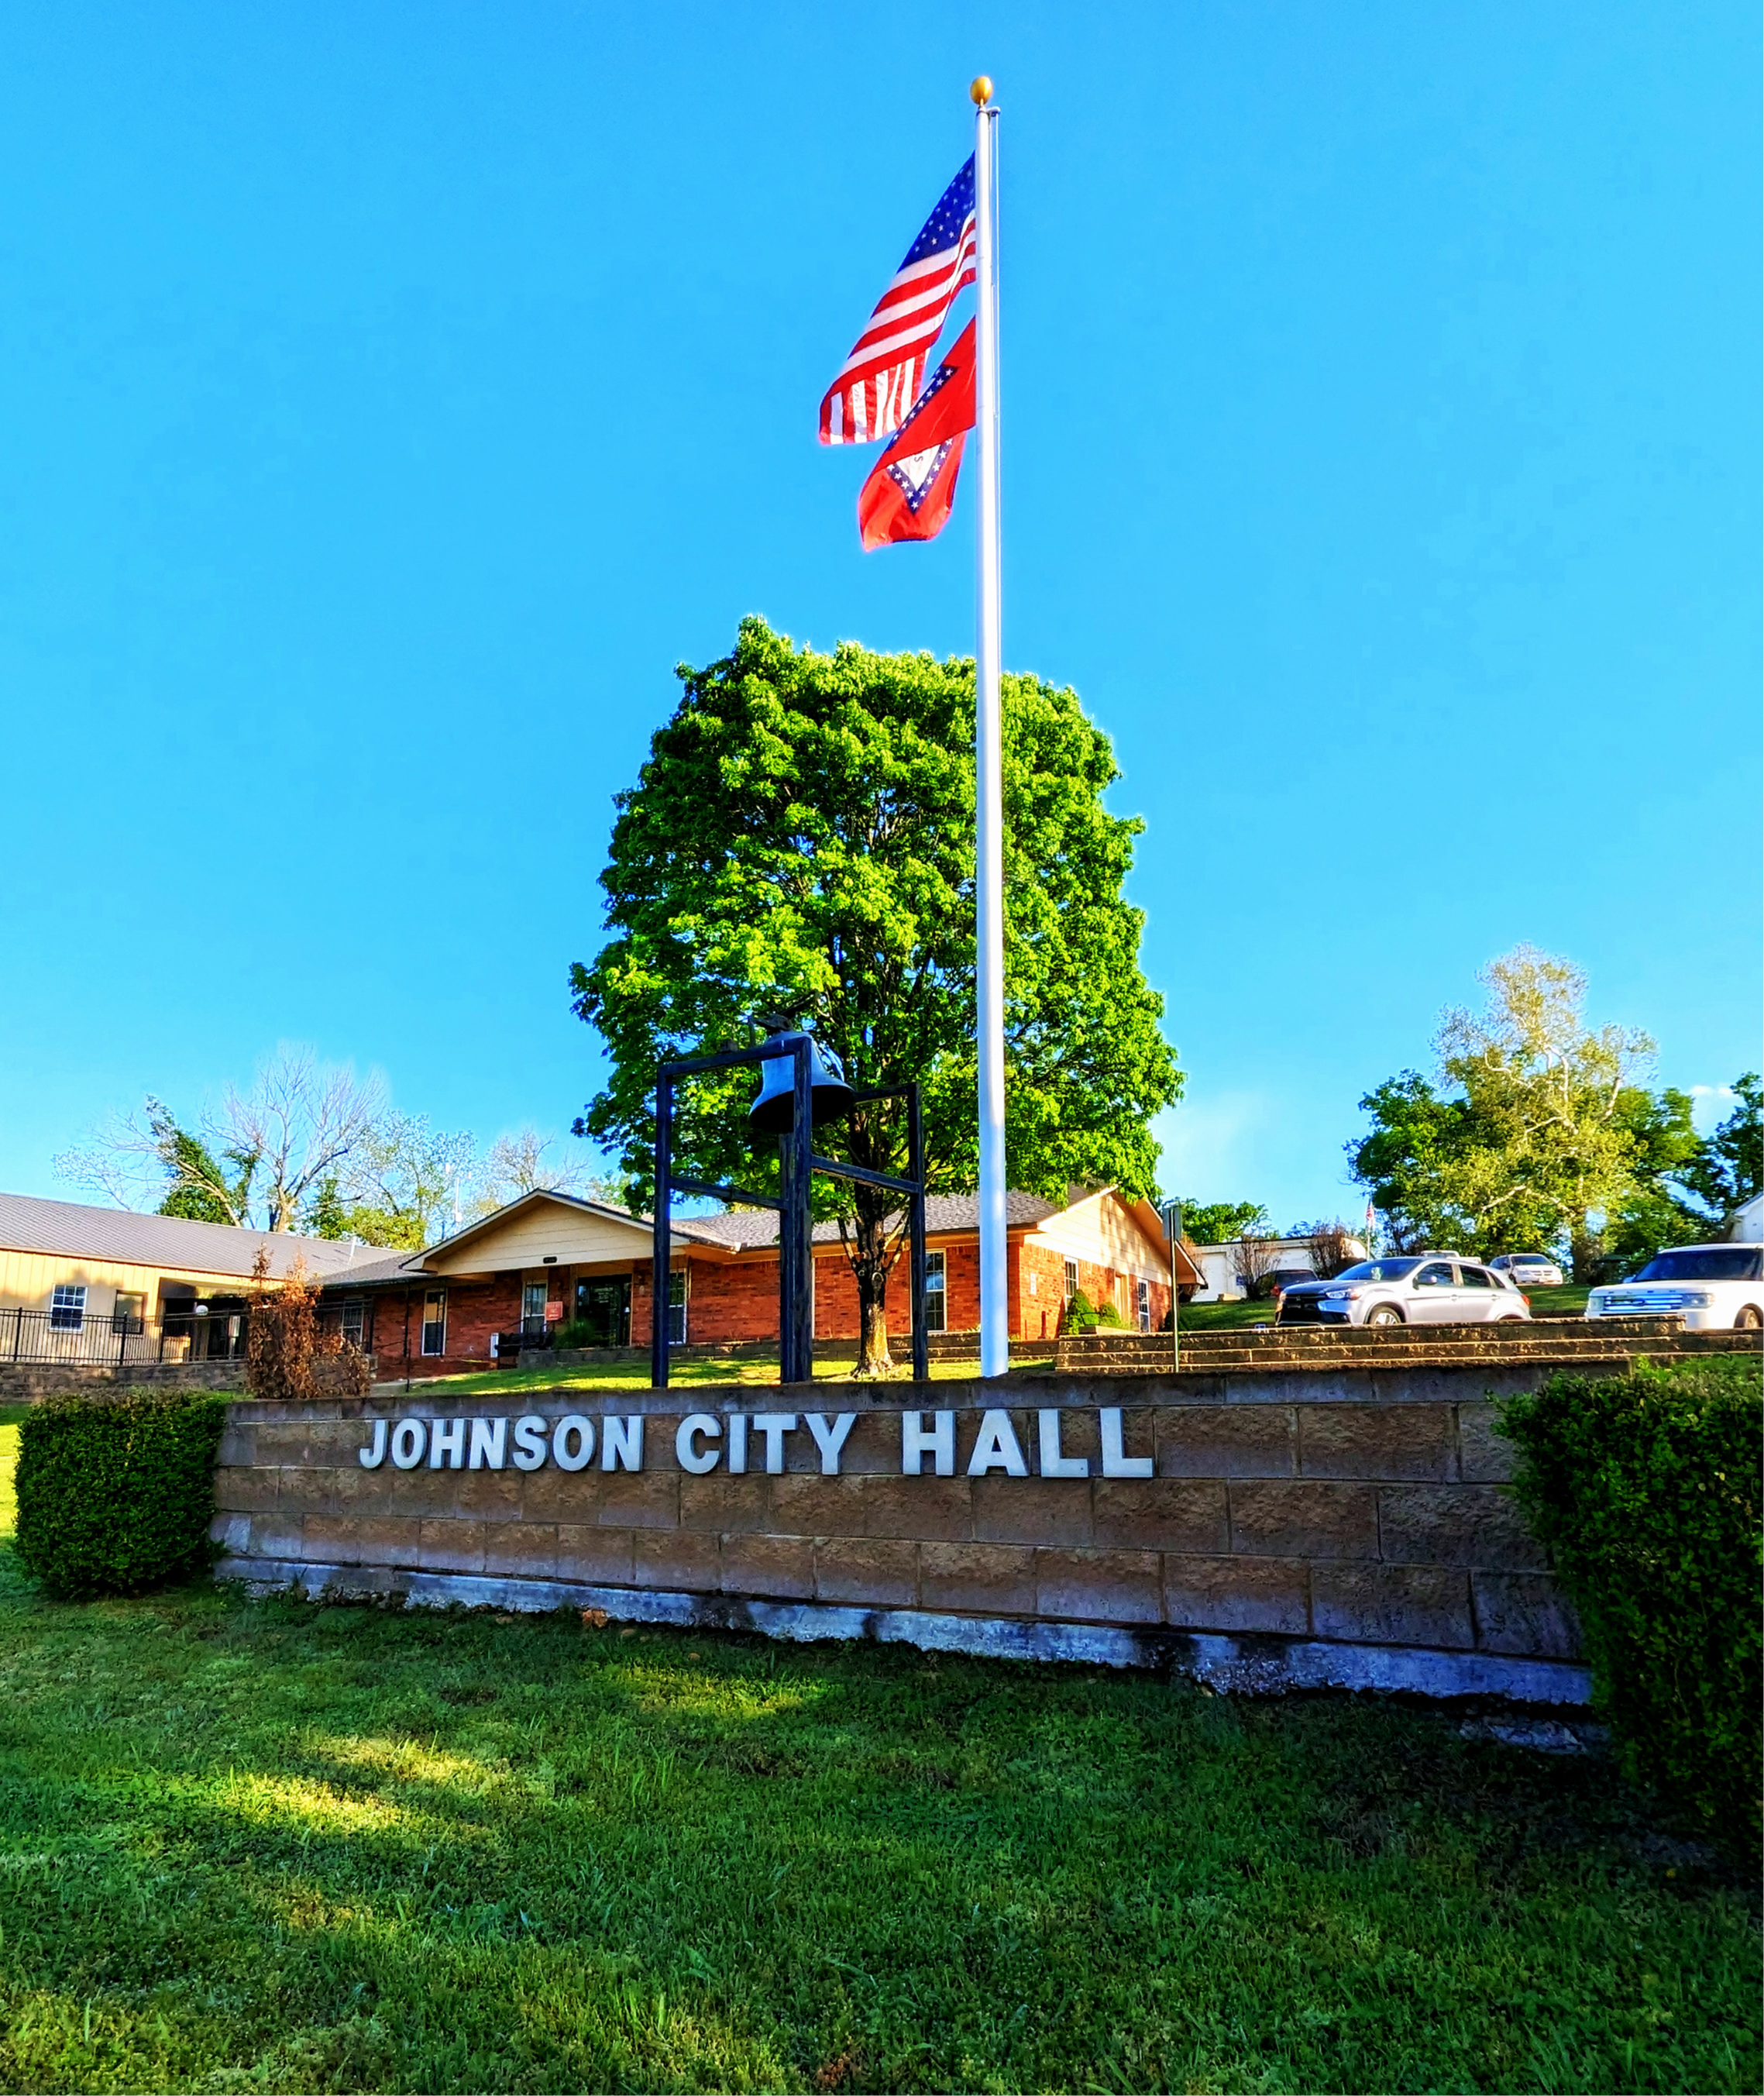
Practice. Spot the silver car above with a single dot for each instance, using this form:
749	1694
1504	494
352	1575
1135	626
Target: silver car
1529	1269
1419	1288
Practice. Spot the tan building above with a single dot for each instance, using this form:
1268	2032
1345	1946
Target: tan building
104	1286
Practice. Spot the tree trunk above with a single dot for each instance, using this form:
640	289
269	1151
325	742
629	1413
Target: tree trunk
869	1263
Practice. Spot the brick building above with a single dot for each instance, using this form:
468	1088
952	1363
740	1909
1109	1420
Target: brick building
554	1266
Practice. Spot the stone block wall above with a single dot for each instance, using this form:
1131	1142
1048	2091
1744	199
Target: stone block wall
1359	1511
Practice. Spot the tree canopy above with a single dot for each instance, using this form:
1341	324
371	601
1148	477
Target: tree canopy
1544	1135
802	838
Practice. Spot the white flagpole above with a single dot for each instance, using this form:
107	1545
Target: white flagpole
990	955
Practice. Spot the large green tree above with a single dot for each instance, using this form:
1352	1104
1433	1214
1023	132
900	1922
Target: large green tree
1727	1169
1542	1136
802	838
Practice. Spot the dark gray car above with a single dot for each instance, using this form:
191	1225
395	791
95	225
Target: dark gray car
1418	1288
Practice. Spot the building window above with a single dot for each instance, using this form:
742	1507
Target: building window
67	1308
1072	1279
677	1309
533	1310
130	1313
1143	1303
936	1293
435	1321
354	1322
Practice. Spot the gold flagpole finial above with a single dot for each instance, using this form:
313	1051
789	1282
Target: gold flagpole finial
980	92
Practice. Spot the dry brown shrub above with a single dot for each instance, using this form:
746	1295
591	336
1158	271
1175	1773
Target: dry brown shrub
287	1357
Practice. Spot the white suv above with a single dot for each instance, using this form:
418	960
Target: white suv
1714	1288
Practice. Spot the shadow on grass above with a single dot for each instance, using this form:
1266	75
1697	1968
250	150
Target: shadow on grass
312	1846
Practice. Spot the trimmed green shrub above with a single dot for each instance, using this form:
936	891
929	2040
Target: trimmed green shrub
116	1493
1645	1489
1081	1313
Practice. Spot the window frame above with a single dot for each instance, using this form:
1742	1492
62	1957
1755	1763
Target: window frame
677	1306
1143	1303
67	1306
937	1292
438	1326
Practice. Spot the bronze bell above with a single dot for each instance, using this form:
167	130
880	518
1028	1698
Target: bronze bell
830	1096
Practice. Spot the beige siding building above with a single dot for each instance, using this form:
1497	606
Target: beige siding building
82	1283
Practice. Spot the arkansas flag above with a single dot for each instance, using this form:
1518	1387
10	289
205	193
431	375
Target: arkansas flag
909	493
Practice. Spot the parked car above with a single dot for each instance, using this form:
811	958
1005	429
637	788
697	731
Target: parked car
1421	1288
1529	1269
1284	1277
1713	1287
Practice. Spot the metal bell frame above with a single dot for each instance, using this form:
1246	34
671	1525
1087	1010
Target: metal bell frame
796	1258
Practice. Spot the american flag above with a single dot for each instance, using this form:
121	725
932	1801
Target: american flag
880	379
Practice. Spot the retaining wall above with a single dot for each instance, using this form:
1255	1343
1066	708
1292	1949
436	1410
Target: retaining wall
1285	1531
24	1383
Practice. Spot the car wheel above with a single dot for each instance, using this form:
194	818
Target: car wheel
1385	1313
1749	1319
1515	1319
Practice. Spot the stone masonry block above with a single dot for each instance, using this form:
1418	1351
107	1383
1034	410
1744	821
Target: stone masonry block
1381	1441
872	1447
239	1446
930	1509
1160	1514
1303	1520
331	1538
525	1549
780	1567
865	1574
1237	1594
1100	1586
1484	1457
452	1546
1227	1441
1038	1510
370	1539
232	1532
619	1499
677	1557
1392	1605
1469	1525
727	1506
1525	1613
817	1506
354	1490
977	1578
276	1534
245	1491
494	1495
594	1555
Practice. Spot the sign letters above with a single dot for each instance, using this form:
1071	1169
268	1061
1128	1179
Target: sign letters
736	1442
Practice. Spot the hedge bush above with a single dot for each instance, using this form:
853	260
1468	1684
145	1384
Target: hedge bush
116	1493
1645	1489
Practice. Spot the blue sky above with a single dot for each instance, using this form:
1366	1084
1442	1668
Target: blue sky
394	394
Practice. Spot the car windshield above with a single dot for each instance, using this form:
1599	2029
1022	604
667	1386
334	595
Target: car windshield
1380	1269
1704	1263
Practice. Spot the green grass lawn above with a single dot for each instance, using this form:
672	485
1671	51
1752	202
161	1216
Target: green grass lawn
276	1846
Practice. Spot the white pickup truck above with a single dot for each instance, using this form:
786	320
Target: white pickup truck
1713	1287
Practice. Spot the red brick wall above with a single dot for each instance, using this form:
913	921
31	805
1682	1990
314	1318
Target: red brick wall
737	1299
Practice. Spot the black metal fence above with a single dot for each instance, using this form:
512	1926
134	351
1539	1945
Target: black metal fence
79	1339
